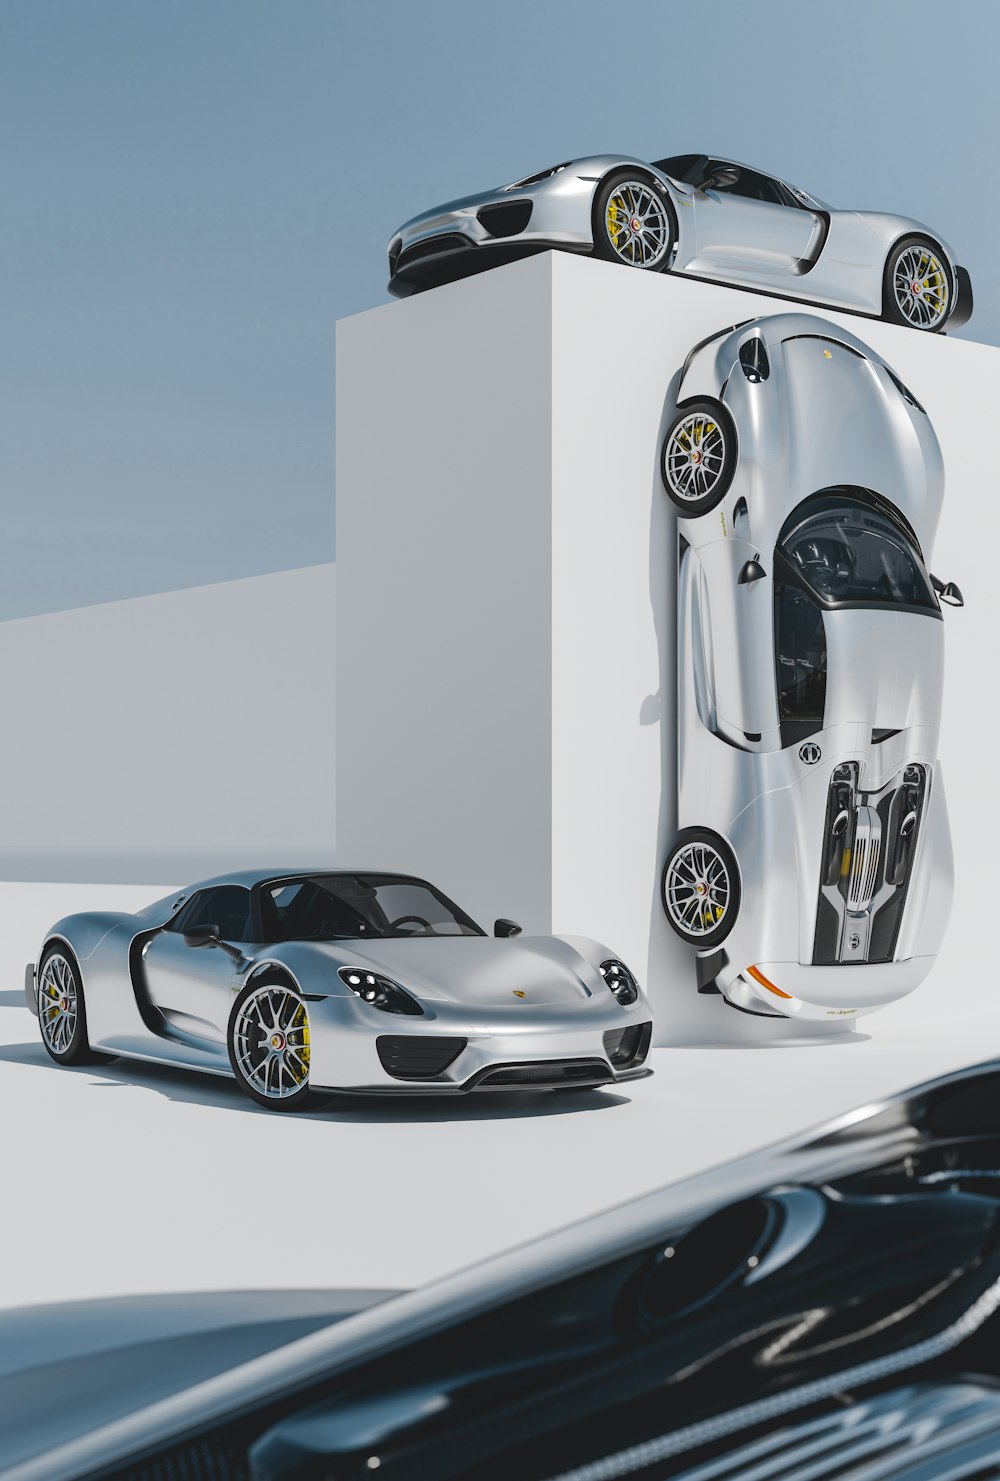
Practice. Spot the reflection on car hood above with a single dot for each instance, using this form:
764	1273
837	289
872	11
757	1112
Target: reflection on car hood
481	971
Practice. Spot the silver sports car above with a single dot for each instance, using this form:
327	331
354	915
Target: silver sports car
702	217
294	981
813	867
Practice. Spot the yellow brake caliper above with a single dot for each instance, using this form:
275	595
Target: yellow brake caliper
613	226
301	1021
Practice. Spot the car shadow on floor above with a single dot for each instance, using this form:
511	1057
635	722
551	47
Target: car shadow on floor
216	1092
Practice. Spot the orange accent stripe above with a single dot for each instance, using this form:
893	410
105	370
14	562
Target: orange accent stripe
759	977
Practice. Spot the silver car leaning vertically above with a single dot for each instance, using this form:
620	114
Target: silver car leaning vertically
813	867
294	981
703	217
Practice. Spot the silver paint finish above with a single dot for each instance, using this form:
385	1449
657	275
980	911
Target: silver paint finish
829	414
465	985
811	252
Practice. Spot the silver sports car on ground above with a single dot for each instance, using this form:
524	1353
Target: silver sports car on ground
813	867
700	216
294	981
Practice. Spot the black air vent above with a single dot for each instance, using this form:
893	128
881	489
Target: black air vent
415	1057
506	218
628	1046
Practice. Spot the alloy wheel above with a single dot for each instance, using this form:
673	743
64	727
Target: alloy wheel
637	224
271	1041
920	287
697	889
58	1006
694	458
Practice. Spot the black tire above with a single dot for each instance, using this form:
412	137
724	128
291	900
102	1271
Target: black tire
236	1043
57	970
649	240
713	414
891	309
688	839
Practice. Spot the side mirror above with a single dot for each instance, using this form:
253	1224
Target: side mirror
752	571
721	178
202	936
952	595
503	927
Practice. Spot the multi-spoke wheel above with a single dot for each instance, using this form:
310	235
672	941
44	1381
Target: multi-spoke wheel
699	456
269	1044
62	1014
701	888
918	288
633	223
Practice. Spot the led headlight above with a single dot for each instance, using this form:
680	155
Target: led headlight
379	991
620	981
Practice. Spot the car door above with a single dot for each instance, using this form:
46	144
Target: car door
192	986
748	228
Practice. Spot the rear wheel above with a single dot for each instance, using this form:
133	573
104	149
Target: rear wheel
698	457
917	288
62	1013
701	888
269	1044
633	222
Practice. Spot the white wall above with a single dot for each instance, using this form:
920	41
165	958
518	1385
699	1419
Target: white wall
500	512
166	737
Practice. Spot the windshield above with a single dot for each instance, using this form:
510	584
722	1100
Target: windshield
341	907
851	554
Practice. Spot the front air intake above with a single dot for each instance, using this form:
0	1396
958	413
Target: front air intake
505	218
864	860
416	1056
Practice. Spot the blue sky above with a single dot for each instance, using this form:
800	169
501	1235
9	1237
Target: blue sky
195	190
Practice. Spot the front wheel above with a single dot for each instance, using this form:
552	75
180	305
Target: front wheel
633	222
701	888
698	457
917	288
269	1045
62	1012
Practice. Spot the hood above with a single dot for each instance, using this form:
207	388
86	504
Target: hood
481	971
884	668
846	426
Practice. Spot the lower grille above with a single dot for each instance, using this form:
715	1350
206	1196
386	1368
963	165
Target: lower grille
548	1072
628	1046
414	1057
448	242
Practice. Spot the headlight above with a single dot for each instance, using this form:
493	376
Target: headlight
620	980
379	992
535	179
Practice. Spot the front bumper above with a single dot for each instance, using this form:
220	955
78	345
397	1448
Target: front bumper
827	994
531	1048
485	231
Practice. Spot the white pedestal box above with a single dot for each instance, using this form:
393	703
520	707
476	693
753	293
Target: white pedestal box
506	564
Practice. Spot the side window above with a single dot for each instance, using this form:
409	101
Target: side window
754	187
226	906
800	659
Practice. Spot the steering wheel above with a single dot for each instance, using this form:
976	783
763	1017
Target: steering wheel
402	919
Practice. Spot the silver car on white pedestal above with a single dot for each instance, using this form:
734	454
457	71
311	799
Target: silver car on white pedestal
813	866
700	216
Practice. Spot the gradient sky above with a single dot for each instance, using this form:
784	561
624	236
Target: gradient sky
195	190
